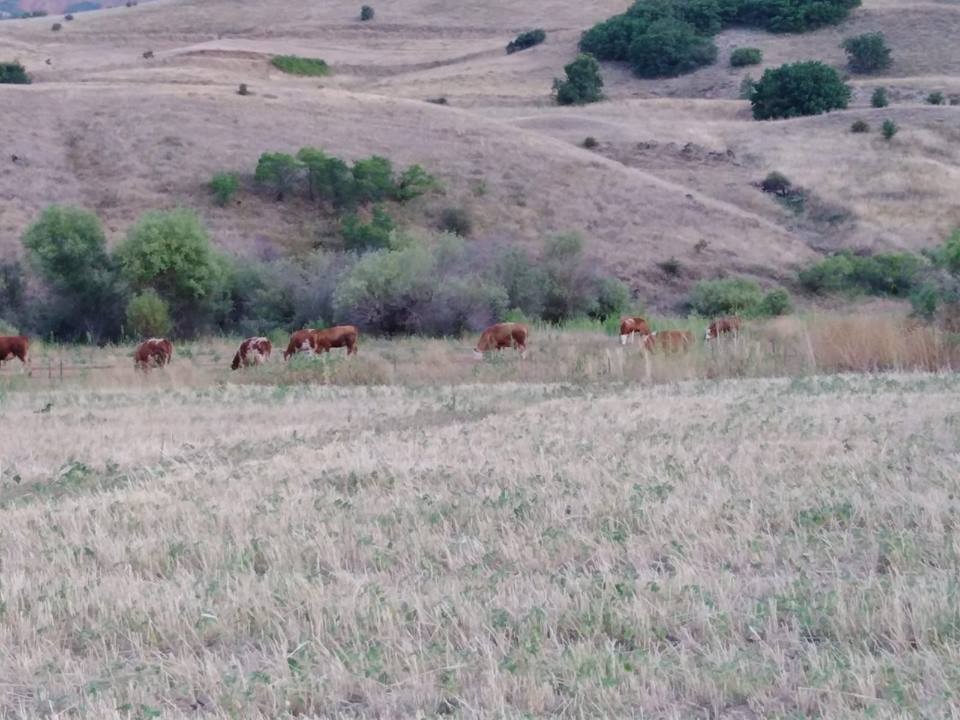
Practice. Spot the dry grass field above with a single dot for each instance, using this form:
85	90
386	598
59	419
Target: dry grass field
558	537
104	128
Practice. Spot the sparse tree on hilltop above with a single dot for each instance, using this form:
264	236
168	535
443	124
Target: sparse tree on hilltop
583	84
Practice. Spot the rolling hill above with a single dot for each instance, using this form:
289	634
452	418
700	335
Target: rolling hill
673	174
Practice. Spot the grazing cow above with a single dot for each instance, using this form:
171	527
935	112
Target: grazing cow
668	341
723	326
500	336
252	351
15	346
299	342
630	326
317	341
153	352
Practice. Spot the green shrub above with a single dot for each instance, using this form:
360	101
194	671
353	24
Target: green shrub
804	88
456	220
373	235
612	299
412	183
867	53
776	183
879	98
788	15
668	48
924	300
67	248
935	98
279	172
893	274
775	303
889	129
294	65
224	186
611	39
746	56
747	86
526	40
731	296
590	142
583	84
366	13
148	315
373	179
860	126
13	73
328	178
949	255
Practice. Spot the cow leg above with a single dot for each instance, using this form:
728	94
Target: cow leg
623	339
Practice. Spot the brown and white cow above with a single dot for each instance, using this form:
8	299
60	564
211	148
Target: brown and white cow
723	326
252	351
15	346
630	326
155	352
501	336
319	341
668	341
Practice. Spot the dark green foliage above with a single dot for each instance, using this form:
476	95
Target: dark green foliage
867	53
13	73
804	88
243	89
788	15
776	183
889	129
670	267
373	235
373	179
526	40
67	249
738	296
328	178
13	289
366	13
775	303
879	98
668	48
590	142
278	172
147	315
892	274
583	84
456	220
611	39
949	255
224	186
746	56
294	65
935	98
937	294
747	86
860	126
412	183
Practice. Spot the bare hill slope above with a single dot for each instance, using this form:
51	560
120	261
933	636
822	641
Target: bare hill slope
105	128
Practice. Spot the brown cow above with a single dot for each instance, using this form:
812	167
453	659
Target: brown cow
723	326
15	346
252	351
668	341
500	336
299	341
153	352
318	341
630	326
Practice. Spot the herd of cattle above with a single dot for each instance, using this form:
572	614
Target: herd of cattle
157	352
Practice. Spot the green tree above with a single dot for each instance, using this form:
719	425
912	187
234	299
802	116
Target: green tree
731	296
670	47
224	186
879	98
328	178
413	182
746	56
583	84
373	235
804	88
867	53
67	248
366	13
373	179
526	40
13	73
889	129
170	252
148	315
279	172
936	98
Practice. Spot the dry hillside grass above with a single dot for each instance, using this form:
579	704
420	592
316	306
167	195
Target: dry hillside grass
105	128
763	548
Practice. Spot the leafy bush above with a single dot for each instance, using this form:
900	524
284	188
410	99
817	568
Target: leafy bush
295	65
412	183
731	296
456	220
879	98
224	186
590	142
746	56
171	253
526	40
788	15
668	48
13	73
366	13
935	98
892	274
775	303
860	126
279	172
373	179
889	129
776	183
373	235
867	53
148	315
747	86
67	248
611	39
804	88
583	84
328	178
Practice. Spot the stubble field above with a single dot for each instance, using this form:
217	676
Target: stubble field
196	544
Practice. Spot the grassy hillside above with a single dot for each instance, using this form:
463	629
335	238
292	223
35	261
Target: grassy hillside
676	162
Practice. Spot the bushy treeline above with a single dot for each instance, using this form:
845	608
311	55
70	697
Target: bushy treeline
167	277
526	40
661	38
738	296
